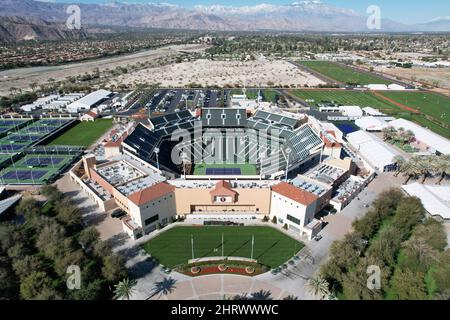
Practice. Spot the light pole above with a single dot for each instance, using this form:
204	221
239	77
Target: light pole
288	152
184	158
157	156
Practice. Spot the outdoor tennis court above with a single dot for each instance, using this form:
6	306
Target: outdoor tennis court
24	138
222	171
22	175
43	161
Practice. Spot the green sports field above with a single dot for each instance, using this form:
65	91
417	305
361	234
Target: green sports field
343	74
246	169
346	97
429	104
173	247
84	134
269	95
433	105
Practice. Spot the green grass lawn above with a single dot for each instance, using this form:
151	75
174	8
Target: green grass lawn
269	95
173	247
84	134
246	169
343	74
431	104
346	97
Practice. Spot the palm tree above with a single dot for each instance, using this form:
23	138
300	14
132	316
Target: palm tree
424	166
400	162
319	286
442	166
124	289
389	133
410	169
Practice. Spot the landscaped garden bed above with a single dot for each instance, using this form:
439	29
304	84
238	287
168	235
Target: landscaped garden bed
223	267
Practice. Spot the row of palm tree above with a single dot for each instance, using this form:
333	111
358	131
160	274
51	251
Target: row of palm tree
424	167
399	135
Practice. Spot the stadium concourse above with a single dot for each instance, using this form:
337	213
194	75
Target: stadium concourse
220	164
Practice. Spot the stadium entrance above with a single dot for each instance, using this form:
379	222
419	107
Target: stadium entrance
221	209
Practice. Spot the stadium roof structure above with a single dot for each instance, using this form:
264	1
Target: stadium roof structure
224	117
143	141
435	199
431	139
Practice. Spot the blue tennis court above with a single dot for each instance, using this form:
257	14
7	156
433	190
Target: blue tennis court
23	138
45	129
52	122
11	147
222	171
43	161
24	175
347	128
11	123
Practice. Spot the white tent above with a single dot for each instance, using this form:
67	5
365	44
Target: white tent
435	199
373	150
371	124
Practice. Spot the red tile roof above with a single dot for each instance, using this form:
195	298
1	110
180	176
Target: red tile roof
151	193
92	114
294	193
223	188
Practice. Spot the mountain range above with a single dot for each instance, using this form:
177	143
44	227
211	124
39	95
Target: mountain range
300	16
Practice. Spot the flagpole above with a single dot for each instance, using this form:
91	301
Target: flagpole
192	244
222	245
253	243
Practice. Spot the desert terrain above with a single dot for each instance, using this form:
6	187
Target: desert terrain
221	73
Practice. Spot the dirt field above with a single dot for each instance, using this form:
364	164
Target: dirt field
422	74
222	73
22	78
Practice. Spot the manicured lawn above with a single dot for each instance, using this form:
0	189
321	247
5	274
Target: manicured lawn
346	97
270	95
173	247
342	73
246	169
430	104
84	134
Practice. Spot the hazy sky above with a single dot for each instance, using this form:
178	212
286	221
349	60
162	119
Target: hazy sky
406	11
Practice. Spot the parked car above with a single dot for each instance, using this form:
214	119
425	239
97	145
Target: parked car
318	237
118	214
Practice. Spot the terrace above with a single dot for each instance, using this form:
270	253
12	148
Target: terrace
201	184
127	178
309	186
325	173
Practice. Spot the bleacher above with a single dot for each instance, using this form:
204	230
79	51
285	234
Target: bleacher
302	142
142	142
170	119
224	117
276	119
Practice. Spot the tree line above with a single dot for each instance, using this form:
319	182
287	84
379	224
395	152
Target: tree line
35	255
396	236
